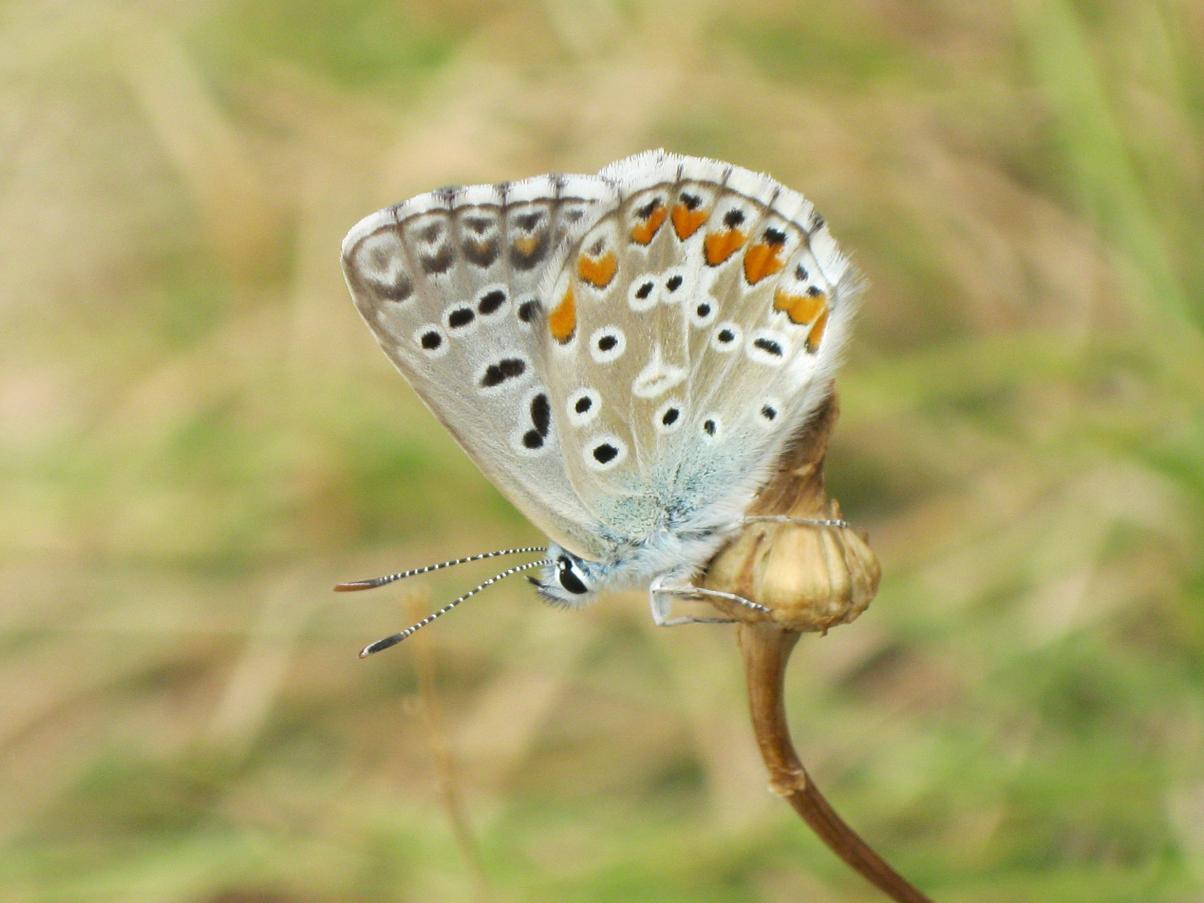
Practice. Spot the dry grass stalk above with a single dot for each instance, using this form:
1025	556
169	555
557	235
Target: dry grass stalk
441	755
811	578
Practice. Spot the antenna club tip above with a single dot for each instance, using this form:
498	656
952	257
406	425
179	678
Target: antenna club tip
353	585
390	641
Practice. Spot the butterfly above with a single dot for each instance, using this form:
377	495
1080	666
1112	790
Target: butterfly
624	355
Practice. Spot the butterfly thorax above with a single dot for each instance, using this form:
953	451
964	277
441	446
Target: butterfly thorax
574	581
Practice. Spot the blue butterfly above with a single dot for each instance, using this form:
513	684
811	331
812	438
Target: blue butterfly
625	355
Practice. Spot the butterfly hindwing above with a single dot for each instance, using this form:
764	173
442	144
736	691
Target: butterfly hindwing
707	307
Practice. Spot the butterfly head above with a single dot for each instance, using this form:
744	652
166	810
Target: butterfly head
568	579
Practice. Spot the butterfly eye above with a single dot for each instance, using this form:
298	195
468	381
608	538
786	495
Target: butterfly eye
569	580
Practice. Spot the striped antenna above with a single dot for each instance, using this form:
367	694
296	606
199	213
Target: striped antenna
396	638
353	585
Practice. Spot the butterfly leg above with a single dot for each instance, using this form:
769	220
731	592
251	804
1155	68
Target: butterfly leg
839	523
661	598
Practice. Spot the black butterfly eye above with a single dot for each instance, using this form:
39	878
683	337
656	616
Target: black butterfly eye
568	579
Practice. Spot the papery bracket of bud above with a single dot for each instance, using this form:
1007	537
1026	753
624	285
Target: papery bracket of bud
811	577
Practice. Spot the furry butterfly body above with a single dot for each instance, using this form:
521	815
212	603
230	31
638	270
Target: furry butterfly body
625	355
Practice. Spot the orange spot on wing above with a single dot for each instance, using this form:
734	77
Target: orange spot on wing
526	245
761	260
686	221
644	232
562	321
597	271
719	246
816	335
801	309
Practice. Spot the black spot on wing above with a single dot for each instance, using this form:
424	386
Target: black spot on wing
505	369
604	453
491	301
527	310
460	317
769	346
541	414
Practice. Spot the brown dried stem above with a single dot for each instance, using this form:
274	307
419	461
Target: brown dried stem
811	577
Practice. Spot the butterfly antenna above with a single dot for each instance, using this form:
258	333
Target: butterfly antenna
353	585
396	638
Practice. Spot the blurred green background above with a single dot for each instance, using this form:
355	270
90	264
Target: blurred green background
199	437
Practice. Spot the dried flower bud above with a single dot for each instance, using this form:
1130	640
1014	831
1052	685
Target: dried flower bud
811	577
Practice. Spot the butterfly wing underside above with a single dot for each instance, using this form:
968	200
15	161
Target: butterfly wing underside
448	283
693	327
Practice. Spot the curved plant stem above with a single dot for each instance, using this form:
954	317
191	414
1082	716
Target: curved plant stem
811	575
766	649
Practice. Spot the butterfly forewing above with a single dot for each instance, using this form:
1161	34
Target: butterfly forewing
448	283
